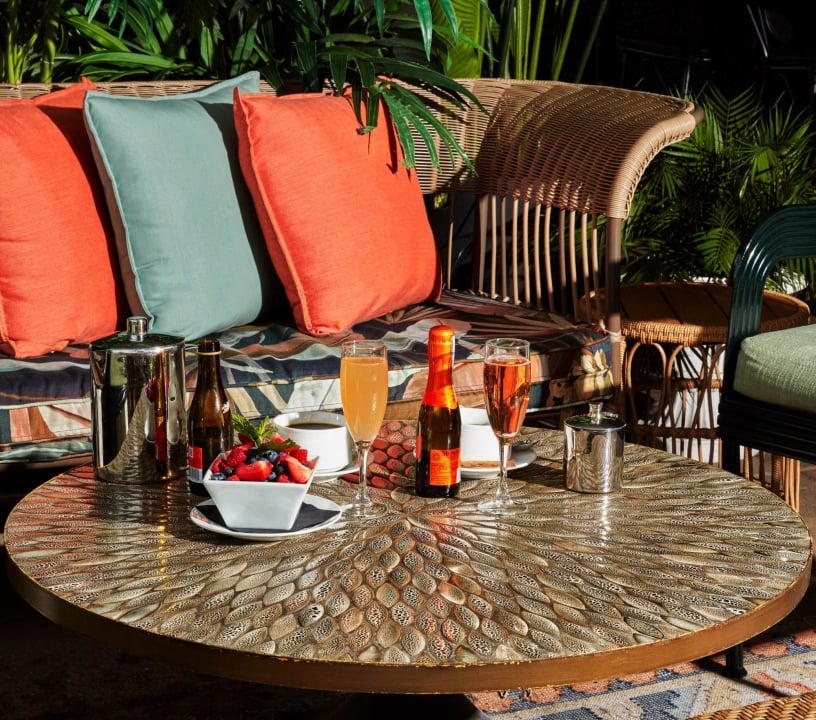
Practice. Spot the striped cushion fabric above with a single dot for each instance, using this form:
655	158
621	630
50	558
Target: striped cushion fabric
45	406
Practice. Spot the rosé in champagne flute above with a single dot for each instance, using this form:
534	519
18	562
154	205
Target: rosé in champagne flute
507	378
507	392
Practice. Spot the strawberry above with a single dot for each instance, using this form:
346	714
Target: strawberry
300	453
257	471
297	471
237	455
217	466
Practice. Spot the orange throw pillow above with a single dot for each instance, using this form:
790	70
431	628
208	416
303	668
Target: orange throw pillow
344	222
58	274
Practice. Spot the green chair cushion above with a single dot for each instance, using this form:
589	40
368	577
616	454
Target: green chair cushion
778	368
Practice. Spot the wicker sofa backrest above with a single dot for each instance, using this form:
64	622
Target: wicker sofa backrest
556	167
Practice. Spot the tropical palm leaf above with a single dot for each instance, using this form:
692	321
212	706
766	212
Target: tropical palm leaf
704	196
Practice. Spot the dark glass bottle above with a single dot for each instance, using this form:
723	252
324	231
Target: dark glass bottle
439	424
209	419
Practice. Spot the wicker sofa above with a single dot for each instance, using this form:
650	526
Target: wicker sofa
522	241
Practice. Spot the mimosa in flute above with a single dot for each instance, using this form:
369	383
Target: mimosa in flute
364	393
507	393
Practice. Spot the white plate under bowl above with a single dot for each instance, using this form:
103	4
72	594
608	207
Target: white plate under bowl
203	521
522	457
354	466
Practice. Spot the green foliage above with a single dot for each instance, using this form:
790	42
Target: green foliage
525	39
701	198
296	44
31	35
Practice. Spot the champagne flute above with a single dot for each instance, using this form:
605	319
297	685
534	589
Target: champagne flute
364	393
507	392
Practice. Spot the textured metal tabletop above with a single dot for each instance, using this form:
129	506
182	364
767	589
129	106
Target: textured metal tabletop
434	596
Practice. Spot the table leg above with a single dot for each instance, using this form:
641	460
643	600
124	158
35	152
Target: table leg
406	707
734	667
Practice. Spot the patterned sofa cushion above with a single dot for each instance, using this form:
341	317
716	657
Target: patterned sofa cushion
45	402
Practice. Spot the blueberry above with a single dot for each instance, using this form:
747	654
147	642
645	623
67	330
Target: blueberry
271	455
219	476
252	455
227	471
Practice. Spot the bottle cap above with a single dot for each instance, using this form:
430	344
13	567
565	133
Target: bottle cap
440	340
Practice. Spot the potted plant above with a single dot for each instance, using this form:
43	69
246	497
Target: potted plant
701	198
524	39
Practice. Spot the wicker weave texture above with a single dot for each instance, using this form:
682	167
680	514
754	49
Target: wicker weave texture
137	88
797	707
552	161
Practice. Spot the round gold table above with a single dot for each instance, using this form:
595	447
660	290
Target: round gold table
434	597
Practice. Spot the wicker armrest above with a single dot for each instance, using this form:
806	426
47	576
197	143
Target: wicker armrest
557	165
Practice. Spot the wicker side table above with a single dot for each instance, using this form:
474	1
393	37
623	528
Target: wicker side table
675	338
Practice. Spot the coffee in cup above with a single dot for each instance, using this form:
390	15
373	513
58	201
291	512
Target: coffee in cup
324	434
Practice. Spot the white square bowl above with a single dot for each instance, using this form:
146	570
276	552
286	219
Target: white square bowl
248	505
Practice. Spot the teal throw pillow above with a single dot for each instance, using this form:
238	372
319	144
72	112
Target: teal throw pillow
191	252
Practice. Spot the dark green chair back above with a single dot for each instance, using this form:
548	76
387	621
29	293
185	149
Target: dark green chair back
788	233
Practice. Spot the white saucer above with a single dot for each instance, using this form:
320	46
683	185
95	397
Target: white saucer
521	457
208	523
354	466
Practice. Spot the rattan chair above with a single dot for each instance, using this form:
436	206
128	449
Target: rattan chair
555	168
796	707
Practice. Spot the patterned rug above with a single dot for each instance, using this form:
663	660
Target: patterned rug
780	662
784	666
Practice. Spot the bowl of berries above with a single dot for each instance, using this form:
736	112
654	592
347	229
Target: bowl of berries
261	483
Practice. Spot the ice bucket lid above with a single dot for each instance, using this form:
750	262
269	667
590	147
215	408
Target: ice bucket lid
596	420
136	340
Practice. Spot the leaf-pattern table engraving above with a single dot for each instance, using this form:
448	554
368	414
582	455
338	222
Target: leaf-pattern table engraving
434	596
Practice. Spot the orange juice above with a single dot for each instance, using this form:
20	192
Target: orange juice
364	392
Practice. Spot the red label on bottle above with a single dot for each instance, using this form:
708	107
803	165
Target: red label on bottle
444	467
195	463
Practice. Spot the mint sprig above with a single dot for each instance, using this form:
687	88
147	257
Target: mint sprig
261	434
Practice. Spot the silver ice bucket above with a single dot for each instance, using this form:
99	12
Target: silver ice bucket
139	417
593	451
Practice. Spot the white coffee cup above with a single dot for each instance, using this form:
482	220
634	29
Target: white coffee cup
478	442
324	434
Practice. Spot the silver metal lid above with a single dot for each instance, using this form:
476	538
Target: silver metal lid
136	339
596	420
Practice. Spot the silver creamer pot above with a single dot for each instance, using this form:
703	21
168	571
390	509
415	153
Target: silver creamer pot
139	420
